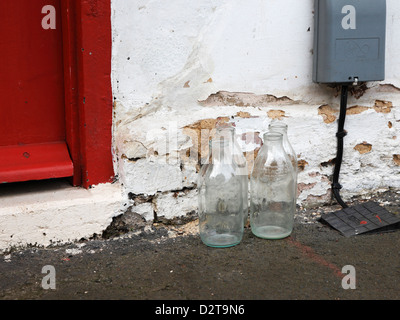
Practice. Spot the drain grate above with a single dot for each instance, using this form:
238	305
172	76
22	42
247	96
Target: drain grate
363	218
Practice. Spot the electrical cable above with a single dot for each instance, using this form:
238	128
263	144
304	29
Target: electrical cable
336	186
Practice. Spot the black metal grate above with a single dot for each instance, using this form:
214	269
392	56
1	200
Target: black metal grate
363	218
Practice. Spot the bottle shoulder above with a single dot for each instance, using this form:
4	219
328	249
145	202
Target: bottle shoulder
276	164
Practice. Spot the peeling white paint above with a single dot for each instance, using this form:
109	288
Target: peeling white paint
181	53
149	177
146	210
177	204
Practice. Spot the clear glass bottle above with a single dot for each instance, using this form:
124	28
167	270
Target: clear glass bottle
220	198
282	128
229	133
272	192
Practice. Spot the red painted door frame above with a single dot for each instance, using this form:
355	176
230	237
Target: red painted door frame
87	39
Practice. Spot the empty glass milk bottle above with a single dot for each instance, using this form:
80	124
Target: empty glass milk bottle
220	197
272	192
229	133
282	128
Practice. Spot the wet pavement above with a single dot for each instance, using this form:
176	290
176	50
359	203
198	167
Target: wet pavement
163	262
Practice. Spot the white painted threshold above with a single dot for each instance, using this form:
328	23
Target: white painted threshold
51	212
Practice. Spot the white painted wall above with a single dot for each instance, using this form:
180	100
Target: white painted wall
170	55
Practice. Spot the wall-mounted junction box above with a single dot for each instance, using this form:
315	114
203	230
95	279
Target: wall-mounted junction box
349	41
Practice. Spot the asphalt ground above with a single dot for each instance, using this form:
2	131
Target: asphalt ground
170	263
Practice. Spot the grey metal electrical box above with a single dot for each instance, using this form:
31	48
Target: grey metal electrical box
349	41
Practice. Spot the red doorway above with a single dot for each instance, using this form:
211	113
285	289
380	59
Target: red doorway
56	109
32	120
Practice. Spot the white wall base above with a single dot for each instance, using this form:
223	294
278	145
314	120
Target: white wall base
42	213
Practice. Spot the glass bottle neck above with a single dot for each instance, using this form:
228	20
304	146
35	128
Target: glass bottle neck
278	127
221	151
225	133
273	141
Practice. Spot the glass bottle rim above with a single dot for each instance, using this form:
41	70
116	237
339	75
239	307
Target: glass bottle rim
272	136
280	125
